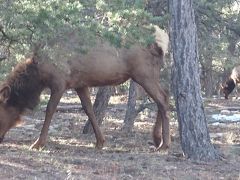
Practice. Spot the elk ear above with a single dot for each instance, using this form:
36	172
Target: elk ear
33	59
36	52
5	93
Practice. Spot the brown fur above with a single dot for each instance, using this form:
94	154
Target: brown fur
231	83
103	65
25	85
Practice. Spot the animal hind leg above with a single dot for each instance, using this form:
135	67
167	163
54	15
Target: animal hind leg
84	96
161	134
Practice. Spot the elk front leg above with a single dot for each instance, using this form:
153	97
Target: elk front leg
51	108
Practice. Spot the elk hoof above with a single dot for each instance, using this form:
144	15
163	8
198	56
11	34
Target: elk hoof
163	147
158	142
37	145
99	145
1	139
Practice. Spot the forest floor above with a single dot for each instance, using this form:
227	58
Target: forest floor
69	154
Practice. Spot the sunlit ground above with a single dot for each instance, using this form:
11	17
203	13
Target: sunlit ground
69	154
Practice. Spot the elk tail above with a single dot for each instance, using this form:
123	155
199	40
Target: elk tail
162	39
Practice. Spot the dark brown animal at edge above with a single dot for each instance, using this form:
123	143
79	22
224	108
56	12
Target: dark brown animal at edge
103	65
231	83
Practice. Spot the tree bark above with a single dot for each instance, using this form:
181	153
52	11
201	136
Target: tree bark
131	112
99	107
194	135
209	83
206	62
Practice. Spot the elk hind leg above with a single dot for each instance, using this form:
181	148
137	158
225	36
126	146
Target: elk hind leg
161	134
84	96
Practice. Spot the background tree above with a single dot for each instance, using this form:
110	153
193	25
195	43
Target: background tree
24	22
193	129
218	41
99	107
131	112
122	23
218	37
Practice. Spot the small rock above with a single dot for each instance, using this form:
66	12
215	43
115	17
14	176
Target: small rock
169	168
131	158
126	176
29	127
216	135
225	111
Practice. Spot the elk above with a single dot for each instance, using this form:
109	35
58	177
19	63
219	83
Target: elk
231	83
102	65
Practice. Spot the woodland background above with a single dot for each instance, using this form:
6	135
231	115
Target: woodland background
70	154
23	23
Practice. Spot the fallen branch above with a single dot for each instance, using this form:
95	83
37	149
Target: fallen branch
65	108
223	121
233	108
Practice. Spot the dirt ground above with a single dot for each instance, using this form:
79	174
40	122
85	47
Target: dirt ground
69	154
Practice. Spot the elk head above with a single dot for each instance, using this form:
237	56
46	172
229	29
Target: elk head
227	87
9	116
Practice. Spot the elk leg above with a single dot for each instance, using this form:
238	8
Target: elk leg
51	108
161	135
84	96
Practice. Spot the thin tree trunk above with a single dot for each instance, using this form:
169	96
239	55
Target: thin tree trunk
99	107
209	82
207	73
131	112
194	135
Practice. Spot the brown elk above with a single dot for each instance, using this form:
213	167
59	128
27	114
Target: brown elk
231	83
102	65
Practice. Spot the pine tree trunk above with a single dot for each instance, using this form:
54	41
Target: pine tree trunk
193	129
99	107
209	81
131	108
207	72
